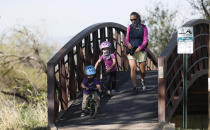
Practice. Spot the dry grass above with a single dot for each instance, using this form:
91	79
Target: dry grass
15	115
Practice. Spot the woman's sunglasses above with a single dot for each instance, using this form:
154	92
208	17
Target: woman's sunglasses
132	19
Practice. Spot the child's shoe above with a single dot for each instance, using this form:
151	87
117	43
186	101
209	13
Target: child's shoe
109	93
83	114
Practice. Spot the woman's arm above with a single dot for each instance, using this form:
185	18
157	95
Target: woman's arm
127	43
145	39
127	36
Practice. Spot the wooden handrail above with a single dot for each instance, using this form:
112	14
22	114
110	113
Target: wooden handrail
74	41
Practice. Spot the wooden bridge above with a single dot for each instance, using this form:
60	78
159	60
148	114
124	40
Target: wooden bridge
125	110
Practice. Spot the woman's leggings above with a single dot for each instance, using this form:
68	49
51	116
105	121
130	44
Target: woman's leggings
110	82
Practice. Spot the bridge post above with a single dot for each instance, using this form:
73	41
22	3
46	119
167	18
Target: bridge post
161	90
51	94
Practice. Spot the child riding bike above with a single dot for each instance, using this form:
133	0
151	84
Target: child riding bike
90	83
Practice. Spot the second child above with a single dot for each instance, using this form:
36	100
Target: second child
110	64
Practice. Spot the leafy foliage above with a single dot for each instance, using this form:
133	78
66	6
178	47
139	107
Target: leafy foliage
161	27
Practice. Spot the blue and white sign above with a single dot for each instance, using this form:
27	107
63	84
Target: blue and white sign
185	40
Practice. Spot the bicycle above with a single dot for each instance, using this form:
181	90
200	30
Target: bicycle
91	108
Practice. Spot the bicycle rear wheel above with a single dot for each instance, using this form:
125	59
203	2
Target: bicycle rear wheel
94	110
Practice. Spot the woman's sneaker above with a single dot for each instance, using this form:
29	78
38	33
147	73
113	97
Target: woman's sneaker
136	90
143	85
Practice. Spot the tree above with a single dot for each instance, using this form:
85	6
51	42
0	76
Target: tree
161	27
201	6
23	57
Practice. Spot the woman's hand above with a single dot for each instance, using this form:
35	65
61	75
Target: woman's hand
129	46
138	50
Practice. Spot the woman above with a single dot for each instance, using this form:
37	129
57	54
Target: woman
136	42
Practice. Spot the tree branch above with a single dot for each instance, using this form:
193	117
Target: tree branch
15	94
204	9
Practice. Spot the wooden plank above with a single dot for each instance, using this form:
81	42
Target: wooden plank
80	59
102	34
72	79
200	65
102	38
125	59
204	42
119	50
110	35
171	91
205	51
176	67
110	38
96	51
88	53
193	59
62	77
196	44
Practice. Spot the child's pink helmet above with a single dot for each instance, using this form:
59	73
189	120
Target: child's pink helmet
105	44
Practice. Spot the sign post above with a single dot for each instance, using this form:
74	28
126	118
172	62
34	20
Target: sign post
185	47
209	80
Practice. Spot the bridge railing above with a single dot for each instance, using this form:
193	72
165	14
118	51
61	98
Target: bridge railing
65	69
170	68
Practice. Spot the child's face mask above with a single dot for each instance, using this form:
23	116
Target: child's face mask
90	78
106	53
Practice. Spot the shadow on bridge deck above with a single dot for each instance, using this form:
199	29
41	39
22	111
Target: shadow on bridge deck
123	108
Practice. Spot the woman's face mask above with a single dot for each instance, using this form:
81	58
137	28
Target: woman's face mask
134	21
